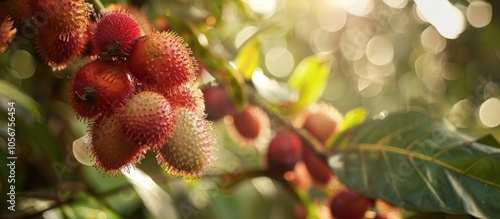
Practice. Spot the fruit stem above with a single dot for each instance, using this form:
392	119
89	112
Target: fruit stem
97	4
312	142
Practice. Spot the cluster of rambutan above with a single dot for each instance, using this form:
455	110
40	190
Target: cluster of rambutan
138	94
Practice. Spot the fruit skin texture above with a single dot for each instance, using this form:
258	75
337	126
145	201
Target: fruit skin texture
161	61
100	87
346	204
284	151
217	102
6	33
110	148
187	152
59	16
58	50
116	32
147	119
136	13
186	95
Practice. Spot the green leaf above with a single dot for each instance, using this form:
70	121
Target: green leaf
19	97
353	118
248	59
416	162
309	78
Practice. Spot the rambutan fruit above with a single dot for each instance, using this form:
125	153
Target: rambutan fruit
317	168
63	16
188	151
100	87
7	32
116	32
321	120
110	148
136	13
218	103
57	49
346	204
147	119
251	126
186	95
161	61
284	151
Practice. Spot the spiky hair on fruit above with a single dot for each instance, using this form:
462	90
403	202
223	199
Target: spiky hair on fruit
110	148
63	16
57	49
7	32
186	95
136	13
100	87
147	119
187	152
116	32
161	61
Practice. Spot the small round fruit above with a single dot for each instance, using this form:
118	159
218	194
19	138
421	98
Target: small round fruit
161	61
284	151
60	49
147	119
317	168
100	87
217	102
187	151
116	32
250	125
321	120
110	148
61	16
346	204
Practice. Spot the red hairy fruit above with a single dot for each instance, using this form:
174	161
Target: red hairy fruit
60	16
187	152
217	102
136	13
116	32
161	61
147	119
317	168
57	49
321	120
250	125
346	204
100	87
284	151
186	95
110	148
6	33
